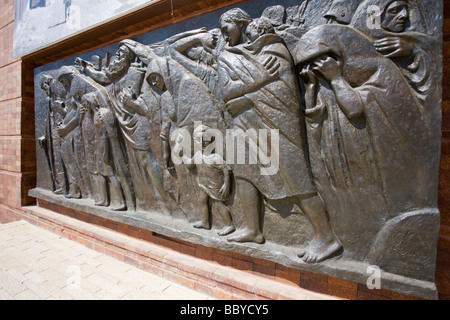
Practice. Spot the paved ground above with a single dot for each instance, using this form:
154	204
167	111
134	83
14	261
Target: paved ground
36	264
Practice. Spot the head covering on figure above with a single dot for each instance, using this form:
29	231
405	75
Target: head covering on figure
341	11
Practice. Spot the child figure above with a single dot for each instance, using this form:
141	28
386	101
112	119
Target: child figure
213	177
257	28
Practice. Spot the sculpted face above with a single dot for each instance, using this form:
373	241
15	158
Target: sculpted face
90	102
157	81
396	16
46	86
122	53
121	62
252	32
231	32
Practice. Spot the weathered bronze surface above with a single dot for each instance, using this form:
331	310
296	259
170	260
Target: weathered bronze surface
308	135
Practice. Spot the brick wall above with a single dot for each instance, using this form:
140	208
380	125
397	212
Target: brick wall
443	260
18	165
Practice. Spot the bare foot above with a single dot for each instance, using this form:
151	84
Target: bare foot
120	207
202	225
103	203
73	195
247	236
319	250
226	230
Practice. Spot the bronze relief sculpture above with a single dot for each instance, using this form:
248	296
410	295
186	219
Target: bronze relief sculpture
308	135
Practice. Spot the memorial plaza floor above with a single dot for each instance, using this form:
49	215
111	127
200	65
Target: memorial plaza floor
38	264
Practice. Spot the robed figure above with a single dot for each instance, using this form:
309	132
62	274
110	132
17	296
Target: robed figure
368	135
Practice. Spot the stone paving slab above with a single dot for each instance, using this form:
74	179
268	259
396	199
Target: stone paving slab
36	264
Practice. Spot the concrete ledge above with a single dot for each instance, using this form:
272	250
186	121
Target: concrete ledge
180	230
212	278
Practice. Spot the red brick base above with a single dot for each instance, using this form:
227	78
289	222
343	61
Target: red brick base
222	274
171	259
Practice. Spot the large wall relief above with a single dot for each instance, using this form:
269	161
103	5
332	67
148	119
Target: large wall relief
305	133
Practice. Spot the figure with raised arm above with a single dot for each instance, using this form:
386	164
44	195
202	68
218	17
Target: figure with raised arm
261	91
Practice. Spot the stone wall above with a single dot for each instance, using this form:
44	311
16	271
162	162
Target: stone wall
17	164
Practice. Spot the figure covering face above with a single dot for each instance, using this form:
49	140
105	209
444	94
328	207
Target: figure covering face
371	162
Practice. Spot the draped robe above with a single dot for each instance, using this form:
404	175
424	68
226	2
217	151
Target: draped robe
267	102
379	166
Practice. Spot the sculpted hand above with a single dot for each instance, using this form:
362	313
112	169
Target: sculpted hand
60	130
394	47
177	148
308	76
224	191
200	30
81	64
127	96
272	65
328	67
209	40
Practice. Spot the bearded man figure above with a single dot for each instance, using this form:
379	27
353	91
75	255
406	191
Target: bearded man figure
123	79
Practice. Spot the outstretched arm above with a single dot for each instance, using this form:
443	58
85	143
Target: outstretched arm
98	76
177	49
186	34
87	68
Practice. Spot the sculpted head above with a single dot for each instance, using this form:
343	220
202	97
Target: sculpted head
257	28
122	61
233	25
395	16
46	84
156	80
66	75
90	101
